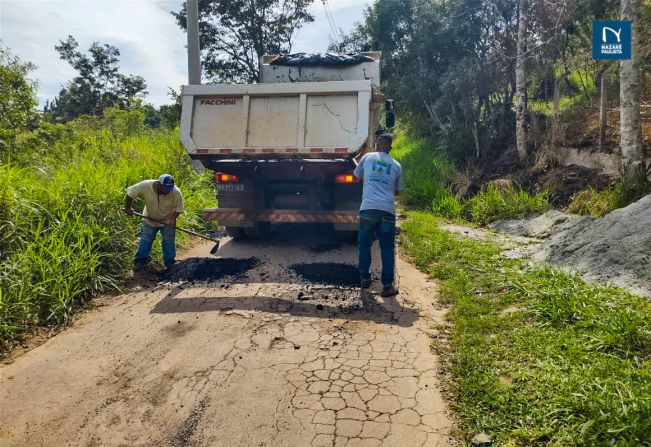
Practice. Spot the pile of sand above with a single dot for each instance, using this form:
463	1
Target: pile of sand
615	249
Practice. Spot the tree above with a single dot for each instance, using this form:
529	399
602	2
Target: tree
17	99
99	84
167	116
521	83
235	34
17	92
464	73
629	98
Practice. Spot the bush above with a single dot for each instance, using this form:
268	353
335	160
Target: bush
63	236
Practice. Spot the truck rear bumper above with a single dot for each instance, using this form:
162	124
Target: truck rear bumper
245	217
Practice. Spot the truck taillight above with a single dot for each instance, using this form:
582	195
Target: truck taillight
225	178
347	178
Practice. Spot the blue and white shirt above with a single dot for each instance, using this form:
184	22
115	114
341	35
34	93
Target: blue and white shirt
382	177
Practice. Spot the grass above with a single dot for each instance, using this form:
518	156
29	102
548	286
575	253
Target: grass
425	172
543	107
598	203
494	203
538	358
63	236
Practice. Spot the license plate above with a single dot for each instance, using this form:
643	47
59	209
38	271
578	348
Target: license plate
230	187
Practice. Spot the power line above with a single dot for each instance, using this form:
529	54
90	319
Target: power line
331	21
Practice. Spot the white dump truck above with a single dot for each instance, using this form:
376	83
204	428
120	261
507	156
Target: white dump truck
284	150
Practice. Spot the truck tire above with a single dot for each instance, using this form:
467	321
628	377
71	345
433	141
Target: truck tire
260	229
236	232
346	236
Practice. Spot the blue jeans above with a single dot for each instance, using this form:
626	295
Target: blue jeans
147	237
382	224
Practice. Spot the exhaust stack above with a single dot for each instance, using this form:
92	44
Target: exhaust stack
194	55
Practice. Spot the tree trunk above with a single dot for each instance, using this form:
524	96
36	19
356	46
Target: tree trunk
475	133
557	131
557	92
603	111
521	83
629	98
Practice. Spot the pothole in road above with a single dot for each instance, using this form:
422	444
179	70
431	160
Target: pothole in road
206	269
324	248
328	273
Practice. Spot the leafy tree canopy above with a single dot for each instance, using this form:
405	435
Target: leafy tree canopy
235	34
17	92
450	65
17	99
98	85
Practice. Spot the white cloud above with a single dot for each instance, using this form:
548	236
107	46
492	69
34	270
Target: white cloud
150	42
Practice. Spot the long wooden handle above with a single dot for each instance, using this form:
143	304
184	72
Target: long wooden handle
178	228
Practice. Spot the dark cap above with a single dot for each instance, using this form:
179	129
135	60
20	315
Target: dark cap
167	182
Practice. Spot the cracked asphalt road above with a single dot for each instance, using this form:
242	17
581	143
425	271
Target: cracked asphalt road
262	357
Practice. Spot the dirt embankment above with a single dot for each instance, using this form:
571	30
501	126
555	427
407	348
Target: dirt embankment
543	173
614	249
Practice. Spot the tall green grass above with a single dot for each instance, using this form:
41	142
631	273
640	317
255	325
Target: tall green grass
598	203
494	203
426	170
63	236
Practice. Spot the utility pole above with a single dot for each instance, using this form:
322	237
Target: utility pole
194	53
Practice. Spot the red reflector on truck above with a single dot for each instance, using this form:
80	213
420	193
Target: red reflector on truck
316	149
225	178
340	150
347	178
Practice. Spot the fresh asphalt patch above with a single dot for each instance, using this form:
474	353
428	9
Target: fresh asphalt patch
324	248
328	273
208	270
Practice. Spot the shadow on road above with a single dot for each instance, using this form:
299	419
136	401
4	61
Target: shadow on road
363	307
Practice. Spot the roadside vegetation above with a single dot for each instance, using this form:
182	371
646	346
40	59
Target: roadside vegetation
598	203
63	236
537	357
63	175
426	171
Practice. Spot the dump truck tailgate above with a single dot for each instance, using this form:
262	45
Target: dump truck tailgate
307	119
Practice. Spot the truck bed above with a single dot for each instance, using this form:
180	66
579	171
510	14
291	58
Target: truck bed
325	120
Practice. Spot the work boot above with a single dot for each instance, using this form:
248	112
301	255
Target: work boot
389	291
139	265
365	283
170	265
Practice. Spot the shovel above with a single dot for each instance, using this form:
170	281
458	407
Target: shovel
216	241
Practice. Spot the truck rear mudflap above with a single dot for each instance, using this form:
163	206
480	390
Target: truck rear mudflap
247	217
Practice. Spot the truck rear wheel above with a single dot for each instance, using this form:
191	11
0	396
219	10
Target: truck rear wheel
346	236
260	229
236	232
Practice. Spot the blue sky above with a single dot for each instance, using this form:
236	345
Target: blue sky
150	42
